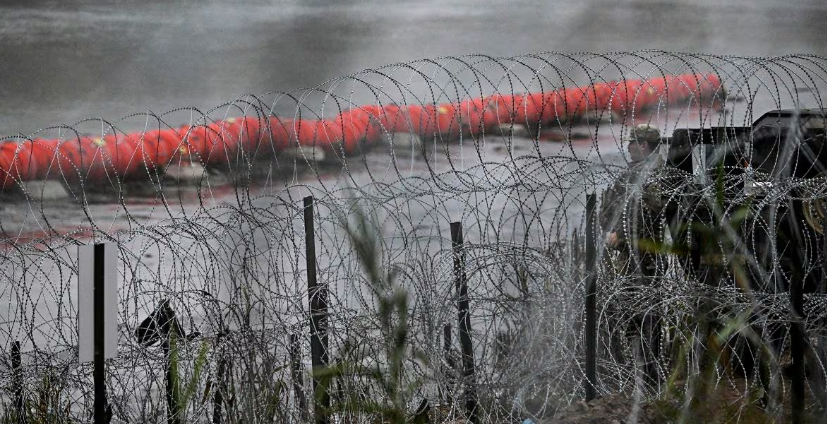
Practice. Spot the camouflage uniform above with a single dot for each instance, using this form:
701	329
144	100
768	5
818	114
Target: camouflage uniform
631	211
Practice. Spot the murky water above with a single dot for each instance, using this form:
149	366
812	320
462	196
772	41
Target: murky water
64	62
67	61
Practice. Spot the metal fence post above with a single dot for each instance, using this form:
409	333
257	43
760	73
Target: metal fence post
318	317
591	299
466	347
102	409
218	396
17	378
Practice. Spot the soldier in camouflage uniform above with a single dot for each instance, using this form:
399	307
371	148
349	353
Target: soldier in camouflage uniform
631	212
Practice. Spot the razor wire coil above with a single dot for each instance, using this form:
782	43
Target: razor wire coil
225	246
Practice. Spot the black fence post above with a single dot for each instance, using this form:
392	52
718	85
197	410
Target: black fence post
162	325
466	347
591	299
218	396
17	365
318	318
102	411
298	379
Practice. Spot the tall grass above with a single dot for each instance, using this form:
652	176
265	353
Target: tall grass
388	373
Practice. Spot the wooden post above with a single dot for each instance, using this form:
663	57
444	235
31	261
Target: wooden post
466	347
318	317
591	298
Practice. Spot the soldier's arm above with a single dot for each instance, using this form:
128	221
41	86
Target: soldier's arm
608	206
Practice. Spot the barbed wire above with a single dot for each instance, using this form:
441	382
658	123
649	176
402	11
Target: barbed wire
216	229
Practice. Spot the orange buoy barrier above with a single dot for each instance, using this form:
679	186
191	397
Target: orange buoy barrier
122	155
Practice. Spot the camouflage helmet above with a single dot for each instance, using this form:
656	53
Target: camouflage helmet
644	133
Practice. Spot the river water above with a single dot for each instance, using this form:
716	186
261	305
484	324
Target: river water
64	61
69	61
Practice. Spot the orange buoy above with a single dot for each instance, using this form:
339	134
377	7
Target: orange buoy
93	158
